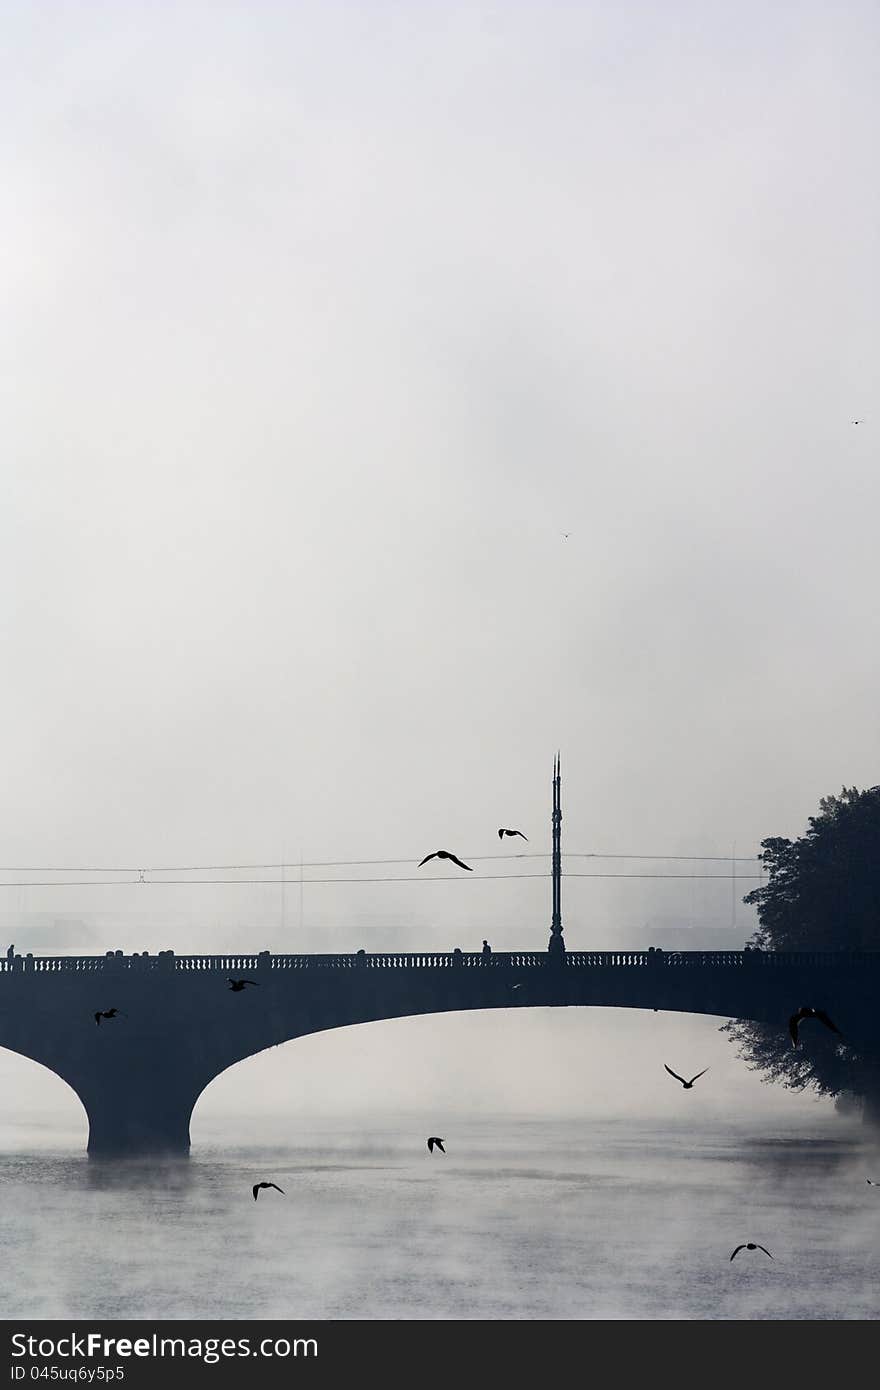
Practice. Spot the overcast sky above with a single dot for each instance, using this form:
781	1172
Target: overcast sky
321	324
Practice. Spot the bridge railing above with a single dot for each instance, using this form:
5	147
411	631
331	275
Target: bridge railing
248	964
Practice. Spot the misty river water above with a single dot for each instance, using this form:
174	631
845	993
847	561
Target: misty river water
522	1219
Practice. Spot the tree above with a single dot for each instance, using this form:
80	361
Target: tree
823	893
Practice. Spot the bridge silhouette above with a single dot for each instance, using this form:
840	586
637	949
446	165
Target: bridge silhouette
139	1076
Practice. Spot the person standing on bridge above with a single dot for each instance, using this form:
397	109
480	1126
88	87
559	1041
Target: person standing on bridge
487	952
10	954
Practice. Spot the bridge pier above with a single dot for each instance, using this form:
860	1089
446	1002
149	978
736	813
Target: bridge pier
141	1112
131	1133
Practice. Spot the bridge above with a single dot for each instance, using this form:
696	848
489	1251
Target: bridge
139	1076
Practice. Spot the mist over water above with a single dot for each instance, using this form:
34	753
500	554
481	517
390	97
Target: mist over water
566	1219
587	1207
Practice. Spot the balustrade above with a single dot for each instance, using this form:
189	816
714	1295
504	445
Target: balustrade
439	960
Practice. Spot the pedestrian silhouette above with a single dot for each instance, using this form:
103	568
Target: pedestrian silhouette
11	952
487	951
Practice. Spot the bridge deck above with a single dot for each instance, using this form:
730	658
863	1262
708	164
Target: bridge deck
434	960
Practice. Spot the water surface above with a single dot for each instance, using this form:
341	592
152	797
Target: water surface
567	1218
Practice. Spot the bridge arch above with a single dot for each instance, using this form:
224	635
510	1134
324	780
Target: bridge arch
32	1090
180	1026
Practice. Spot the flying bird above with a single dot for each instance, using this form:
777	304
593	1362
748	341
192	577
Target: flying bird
805	1012
439	1143
855	422
750	1246
872	1184
444	854
105	1013
258	1185
237	985
686	1084
503	832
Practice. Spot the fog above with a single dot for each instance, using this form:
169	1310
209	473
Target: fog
523	1220
392	396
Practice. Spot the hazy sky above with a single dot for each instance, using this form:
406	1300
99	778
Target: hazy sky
320	324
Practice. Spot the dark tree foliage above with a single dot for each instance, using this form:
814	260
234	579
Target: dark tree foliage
823	893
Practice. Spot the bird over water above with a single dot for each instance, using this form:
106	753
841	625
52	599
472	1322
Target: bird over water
258	1185
806	1012
435	1141
686	1084
750	1245
444	854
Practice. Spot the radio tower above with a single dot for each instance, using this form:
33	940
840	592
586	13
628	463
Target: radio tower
556	946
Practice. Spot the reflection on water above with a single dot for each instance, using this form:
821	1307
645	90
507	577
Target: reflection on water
566	1219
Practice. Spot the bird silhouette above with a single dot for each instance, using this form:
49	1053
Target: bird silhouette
686	1084
806	1012
258	1185
502	833
237	985
872	1184
105	1013
750	1245
855	422
439	1143
444	854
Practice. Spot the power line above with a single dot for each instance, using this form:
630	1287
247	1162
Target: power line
689	858
350	863
303	863
276	882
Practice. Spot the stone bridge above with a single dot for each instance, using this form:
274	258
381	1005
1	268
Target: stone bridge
140	1075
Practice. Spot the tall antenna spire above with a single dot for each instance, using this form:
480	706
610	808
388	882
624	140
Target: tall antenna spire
556	945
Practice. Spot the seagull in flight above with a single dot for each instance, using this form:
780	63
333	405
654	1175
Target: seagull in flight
686	1084
105	1013
872	1183
750	1246
444	854
502	832
258	1185
237	985
806	1012
439	1143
